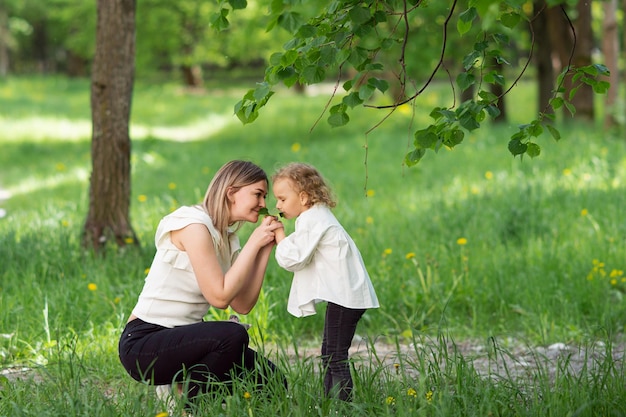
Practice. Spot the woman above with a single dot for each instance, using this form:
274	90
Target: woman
199	263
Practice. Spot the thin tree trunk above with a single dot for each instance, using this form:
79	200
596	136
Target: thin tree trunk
111	92
543	56
610	49
4	39
584	98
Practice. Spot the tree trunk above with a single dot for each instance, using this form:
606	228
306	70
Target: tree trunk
561	41
111	92
4	42
192	75
583	99
543	57
610	49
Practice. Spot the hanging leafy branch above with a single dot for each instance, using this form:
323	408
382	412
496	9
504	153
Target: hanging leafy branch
354	37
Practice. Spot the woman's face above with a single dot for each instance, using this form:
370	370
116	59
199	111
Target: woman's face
246	202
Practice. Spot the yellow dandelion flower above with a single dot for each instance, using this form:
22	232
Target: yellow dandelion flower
397	367
247	395
146	271
369	220
370	193
142	198
584	212
489	175
296	147
613	281
567	172
92	287
429	396
387	252
129	240
117	300
171	185
411	392
60	166
390	400
461	241
410	255
590	277
616	273
65	223
162	414
474	190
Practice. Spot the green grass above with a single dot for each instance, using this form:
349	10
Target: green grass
543	260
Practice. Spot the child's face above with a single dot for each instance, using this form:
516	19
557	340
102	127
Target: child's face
288	201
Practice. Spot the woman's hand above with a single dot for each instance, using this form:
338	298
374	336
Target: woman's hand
264	234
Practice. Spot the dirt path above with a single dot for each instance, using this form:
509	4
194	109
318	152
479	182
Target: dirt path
496	360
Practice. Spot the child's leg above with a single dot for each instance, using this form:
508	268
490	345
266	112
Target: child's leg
339	329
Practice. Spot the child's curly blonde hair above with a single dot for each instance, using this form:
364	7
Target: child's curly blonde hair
306	178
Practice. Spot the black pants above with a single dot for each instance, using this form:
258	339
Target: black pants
199	353
339	328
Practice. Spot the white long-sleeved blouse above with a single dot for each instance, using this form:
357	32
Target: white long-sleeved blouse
326	263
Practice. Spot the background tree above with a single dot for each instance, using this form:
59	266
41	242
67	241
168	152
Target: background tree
111	91
610	51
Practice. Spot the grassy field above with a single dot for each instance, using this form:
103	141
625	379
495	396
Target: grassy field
470	244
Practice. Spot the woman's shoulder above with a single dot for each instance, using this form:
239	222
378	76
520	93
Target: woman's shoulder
186	215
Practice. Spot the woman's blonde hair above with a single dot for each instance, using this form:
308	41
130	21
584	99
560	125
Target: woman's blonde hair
307	178
231	176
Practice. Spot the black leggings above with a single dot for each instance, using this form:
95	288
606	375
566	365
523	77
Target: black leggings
200	353
339	329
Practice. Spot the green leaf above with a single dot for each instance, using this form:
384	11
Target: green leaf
470	59
219	20
492	110
570	107
352	100
463	27
238	4
338	119
510	20
413	157
378	83
290	21
468	121
464	24
313	74
307	31
366	91
359	15
601	87
465	80
554	132
453	137
533	149
535	129
516	147
556	103
261	92
425	139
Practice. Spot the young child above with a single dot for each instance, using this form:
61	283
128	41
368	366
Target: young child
327	266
